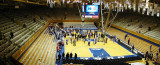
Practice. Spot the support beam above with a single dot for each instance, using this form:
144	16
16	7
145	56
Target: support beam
106	23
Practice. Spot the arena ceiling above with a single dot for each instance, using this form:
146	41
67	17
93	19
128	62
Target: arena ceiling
44	2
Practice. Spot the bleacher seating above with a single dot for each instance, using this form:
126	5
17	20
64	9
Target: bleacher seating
134	23
12	21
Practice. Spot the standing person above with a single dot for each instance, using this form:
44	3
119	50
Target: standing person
146	55
151	57
132	47
66	41
119	40
63	55
159	49
95	41
84	40
71	55
115	37
94	35
75	56
157	56
59	57
67	56
89	42
128	41
77	37
74	42
71	40
150	48
147	63
125	36
62	44
106	39
100	35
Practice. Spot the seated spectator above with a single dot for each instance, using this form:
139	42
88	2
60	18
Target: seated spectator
34	20
12	19
140	26
149	28
24	25
139	31
11	35
129	24
41	18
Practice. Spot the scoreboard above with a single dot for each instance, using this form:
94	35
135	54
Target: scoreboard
90	11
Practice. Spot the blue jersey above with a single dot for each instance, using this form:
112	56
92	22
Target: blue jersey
66	40
95	39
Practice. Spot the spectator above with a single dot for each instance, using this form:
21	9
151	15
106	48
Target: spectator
129	25
128	41
95	41
58	48
104	41
67	56
151	57
34	20
125	36
74	42
159	49
119	40
59	57
11	35
94	35
149	28
63	55
75	56
84	40
115	37
71	55
12	19
24	25
78	37
140	26
132	47
75	35
139	31
147	63
157	56
89	42
71	40
150	48
66	41
62	43
146	55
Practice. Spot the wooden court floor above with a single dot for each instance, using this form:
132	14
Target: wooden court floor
82	49
42	52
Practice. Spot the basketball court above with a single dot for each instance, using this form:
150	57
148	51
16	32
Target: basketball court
109	50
